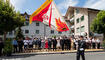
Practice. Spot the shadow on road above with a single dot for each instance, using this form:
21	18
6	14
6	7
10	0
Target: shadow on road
17	56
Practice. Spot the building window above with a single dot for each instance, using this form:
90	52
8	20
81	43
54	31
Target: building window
82	18
10	33
52	31
59	32
37	31
37	23
26	31
78	20
78	30
77	11
82	28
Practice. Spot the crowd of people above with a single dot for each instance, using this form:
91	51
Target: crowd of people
91	43
53	44
59	43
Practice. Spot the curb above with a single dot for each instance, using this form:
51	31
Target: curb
46	53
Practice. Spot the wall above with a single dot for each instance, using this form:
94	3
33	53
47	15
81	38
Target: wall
83	23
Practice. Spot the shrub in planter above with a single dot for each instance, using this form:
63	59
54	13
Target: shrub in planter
8	47
103	44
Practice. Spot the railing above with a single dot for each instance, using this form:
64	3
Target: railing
72	26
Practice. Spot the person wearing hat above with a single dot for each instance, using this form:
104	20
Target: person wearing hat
81	48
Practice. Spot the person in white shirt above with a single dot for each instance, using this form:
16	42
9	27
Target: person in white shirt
58	43
94	43
75	43
87	43
25	43
30	43
90	42
98	43
43	43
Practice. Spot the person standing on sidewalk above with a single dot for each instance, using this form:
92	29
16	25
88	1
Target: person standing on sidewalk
20	44
15	45
81	48
54	43
98	43
30	43
74	43
62	43
39	43
26	42
46	44
94	43
49	43
58	43
43	44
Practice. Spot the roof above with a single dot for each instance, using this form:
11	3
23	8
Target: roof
71	8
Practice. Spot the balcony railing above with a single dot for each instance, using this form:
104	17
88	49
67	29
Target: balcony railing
72	26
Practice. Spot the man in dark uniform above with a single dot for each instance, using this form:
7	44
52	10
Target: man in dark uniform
68	44
81	48
54	43
49	43
20	44
62	43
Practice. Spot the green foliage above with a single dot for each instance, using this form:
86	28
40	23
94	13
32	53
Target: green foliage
8	47
19	33
9	18
103	44
98	24
54	36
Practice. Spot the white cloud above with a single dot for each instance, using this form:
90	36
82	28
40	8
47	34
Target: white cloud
66	3
17	3
97	4
63	6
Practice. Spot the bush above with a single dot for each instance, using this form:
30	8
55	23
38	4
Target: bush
8	47
103	44
19	33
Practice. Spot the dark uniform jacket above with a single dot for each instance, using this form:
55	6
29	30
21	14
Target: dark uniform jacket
81	45
54	42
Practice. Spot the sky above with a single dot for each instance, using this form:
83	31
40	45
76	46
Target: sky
30	6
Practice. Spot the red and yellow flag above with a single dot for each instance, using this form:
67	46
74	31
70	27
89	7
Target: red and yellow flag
49	14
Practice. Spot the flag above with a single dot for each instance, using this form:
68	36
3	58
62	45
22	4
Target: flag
49	14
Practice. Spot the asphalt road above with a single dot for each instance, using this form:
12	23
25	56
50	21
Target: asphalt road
69	56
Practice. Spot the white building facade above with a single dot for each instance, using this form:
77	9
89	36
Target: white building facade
37	29
80	20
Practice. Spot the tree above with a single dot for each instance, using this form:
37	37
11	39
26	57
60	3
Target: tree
19	33
9	18
98	24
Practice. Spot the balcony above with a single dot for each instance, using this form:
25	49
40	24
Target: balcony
72	16
72	19
72	27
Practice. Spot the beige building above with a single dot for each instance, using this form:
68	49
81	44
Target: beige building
80	20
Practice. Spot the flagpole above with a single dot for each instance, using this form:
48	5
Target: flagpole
44	30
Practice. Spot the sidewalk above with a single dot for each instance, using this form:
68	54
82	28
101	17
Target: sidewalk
59	52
